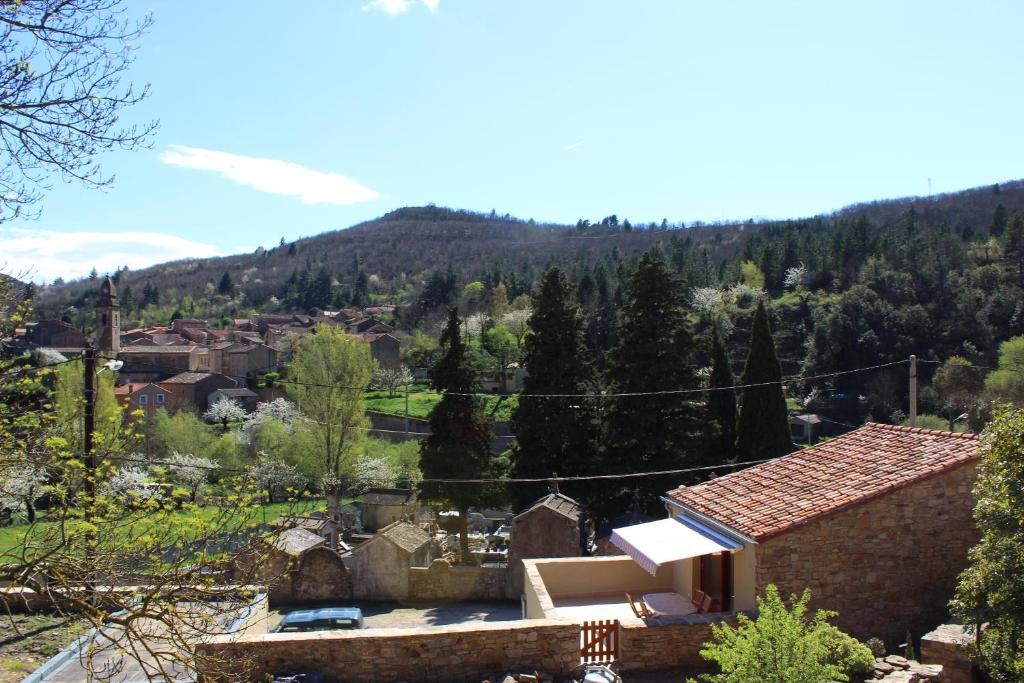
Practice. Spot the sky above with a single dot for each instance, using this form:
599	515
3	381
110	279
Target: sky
276	123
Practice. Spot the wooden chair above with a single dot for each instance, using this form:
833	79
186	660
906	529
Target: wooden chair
698	598
705	604
639	607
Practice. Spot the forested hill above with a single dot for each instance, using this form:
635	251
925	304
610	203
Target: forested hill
408	254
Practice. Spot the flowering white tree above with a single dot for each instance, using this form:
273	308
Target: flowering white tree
21	486
129	483
795	277
279	409
374	473
391	378
275	476
225	411
518	323
474	324
743	294
191	471
707	299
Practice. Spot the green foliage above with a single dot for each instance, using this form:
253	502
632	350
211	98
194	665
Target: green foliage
763	427
784	646
1006	383
959	386
459	446
555	434
991	589
331	370
751	275
421	351
720	406
927	421
654	353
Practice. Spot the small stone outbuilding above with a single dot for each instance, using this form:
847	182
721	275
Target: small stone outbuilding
548	528
283	558
381	565
381	507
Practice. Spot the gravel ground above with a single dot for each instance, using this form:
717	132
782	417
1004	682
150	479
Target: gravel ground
26	641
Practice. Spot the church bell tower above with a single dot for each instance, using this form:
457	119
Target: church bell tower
108	320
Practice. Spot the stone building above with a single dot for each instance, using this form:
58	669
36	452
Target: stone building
191	390
877	523
108	320
381	507
548	528
381	565
281	561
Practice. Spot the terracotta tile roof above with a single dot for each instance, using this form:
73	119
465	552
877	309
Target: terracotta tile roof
770	498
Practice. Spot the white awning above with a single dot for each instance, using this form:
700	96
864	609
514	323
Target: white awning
667	540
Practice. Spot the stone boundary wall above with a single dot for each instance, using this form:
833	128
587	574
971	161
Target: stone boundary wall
948	646
19	600
666	643
396	423
441	582
464	652
887	565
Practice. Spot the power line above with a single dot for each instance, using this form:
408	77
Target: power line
602	395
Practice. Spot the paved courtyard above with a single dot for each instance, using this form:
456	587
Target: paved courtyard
398	615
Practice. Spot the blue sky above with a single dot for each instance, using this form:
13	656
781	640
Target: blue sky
277	123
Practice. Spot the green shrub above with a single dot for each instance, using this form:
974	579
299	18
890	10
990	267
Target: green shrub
784	646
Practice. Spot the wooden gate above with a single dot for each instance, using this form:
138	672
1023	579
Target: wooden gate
599	642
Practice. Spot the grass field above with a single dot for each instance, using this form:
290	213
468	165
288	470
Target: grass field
496	407
12	537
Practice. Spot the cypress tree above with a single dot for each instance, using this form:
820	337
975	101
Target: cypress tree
226	286
554	434
651	432
459	445
721	404
763	429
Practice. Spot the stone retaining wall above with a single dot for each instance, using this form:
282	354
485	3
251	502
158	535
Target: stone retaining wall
888	565
447	653
666	643
948	645
441	582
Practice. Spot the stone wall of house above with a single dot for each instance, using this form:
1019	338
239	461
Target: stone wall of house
540	532
464	652
888	565
441	582
666	643
946	646
321	576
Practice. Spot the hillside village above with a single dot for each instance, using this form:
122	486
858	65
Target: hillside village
691	406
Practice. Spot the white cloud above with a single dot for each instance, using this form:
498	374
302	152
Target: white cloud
47	254
272	175
396	7
574	146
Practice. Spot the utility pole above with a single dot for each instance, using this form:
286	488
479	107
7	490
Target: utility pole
913	390
89	482
90	427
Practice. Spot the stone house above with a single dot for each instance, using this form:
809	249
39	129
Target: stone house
381	565
247	398
382	507
242	360
191	390
877	523
384	348
145	396
54	334
167	360
548	528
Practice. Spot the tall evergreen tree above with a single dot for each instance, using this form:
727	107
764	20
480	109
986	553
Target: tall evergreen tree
763	429
459	445
1013	244
721	402
651	432
226	286
554	434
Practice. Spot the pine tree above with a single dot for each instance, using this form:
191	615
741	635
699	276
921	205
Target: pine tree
459	445
998	224
1013	244
763	428
721	402
226	286
554	434
651	432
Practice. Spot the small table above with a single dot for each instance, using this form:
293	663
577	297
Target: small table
669	603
